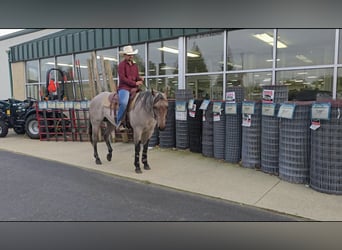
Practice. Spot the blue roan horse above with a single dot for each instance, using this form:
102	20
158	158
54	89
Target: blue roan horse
145	112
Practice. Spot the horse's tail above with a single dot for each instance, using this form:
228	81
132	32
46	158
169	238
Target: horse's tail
90	131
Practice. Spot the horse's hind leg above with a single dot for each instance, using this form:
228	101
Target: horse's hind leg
137	158
94	138
144	156
106	137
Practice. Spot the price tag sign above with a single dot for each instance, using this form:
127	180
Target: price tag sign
320	111
231	108
248	108
286	110
268	109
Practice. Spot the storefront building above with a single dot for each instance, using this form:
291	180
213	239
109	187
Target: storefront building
206	61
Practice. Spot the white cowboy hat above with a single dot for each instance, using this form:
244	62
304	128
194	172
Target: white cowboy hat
128	50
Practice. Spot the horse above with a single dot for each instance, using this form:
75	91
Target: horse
146	111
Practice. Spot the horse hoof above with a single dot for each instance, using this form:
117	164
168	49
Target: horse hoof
98	162
138	171
109	157
147	167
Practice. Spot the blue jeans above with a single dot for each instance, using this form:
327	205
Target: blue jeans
123	101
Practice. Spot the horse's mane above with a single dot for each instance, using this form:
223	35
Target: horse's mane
145	99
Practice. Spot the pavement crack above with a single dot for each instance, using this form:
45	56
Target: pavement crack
269	190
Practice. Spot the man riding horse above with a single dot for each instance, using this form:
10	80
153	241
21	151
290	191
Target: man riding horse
129	82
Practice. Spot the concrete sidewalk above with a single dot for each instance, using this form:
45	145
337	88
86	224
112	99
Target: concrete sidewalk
193	172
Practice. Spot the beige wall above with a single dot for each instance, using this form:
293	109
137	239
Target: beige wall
18	80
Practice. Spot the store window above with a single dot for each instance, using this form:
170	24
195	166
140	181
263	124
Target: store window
204	53
305	47
339	84
206	86
32	73
65	65
163	58
249	49
44	65
164	84
138	58
307	84
109	56
32	79
88	89
252	83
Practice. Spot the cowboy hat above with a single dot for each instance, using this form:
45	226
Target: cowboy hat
128	50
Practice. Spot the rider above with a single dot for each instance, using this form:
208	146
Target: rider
129	79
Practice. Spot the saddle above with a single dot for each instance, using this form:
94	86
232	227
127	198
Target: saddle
113	101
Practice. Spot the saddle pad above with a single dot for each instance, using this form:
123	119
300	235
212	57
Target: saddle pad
108	100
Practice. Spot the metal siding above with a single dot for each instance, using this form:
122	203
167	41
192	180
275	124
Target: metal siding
123	36
64	47
165	33
91	40
99	41
40	49
115	37
143	34
57	46
133	36
77	42
82	40
107	38
154	34
70	43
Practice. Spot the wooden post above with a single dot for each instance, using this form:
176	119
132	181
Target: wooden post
109	74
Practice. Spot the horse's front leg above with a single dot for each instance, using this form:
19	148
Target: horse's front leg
137	158
144	156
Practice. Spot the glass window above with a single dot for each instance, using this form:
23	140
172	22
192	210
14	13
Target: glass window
252	83
64	63
206	86
339	84
45	65
32	79
32	72
163	58
82	75
340	48
138	58
246	50
307	83
110	55
305	47
168	84
204	53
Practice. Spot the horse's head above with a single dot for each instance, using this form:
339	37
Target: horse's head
160	107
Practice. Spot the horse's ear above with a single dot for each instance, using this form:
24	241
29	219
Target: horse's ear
153	92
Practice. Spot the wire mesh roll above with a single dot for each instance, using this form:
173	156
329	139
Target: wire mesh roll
182	135
270	143
195	128
326	153
219	127
281	92
167	137
251	140
294	145
154	140
238	92
208	132
233	134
